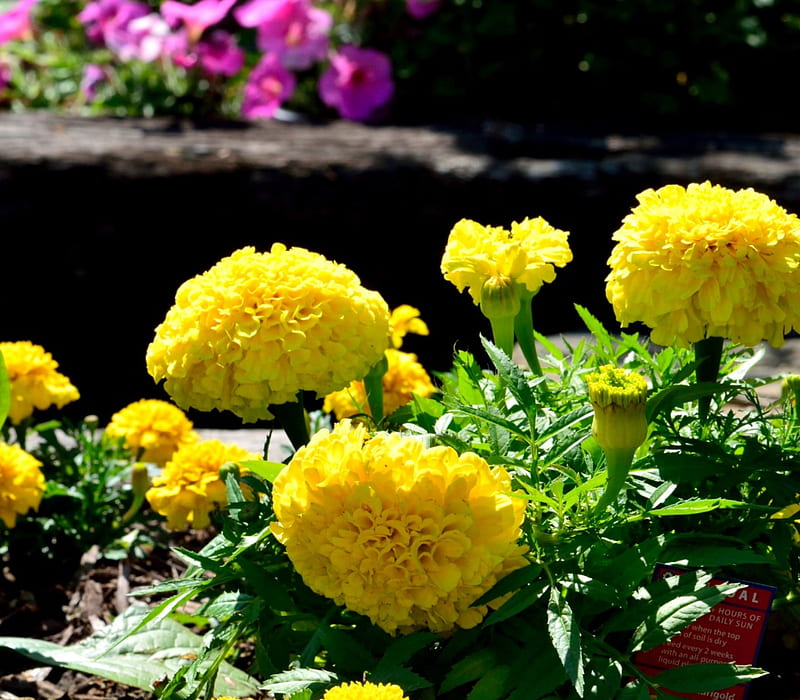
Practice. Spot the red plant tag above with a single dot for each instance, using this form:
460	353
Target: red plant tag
731	633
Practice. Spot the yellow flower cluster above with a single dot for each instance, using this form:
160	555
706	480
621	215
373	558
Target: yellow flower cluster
257	328
153	429
364	691
525	255
35	380
21	483
404	377
190	487
403	320
706	261
408	536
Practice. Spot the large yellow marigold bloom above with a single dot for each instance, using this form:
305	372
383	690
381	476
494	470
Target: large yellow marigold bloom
404	377
525	255
190	487
364	691
408	536
257	328
153	429
35	380
705	261
21	483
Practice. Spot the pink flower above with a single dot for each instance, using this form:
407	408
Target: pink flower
268	87
421	9
198	17
357	82
293	29
220	55
93	75
143	39
16	22
104	20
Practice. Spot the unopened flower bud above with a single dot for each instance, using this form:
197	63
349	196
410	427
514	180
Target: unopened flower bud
499	298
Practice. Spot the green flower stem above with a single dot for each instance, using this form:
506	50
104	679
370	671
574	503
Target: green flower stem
373	386
618	464
503	332
708	355
292	417
523	328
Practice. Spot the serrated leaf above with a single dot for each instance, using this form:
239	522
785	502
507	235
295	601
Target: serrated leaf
566	639
705	678
297	680
399	675
135	657
696	506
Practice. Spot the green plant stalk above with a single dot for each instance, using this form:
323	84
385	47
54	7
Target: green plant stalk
618	464
293	419
503	334
708	355
523	328
373	386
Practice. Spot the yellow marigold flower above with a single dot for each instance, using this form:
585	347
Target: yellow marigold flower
525	255
404	378
190	487
257	328
364	691
403	320
408	536
153	429
35	381
21	483
705	261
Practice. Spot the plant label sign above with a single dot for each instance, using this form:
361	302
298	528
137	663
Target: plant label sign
731	633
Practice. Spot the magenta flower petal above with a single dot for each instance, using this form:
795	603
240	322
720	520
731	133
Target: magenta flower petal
421	9
268	86
198	17
357	82
16	22
220	55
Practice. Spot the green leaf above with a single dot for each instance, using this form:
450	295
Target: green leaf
521	600
407	680
676	614
5	391
566	638
695	506
298	680
345	651
265	469
713	556
634	691
492	685
469	669
705	678
678	394
136	657
403	648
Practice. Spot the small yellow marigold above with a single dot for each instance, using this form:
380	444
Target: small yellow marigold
364	691
408	536
525	255
257	328
35	380
190	487
403	320
153	429
404	378
706	261
21	483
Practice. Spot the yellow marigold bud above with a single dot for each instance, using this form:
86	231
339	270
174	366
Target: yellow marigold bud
705	261
525	255
35	381
404	378
153	429
619	398
21	483
257	328
190	487
364	691
408	536
403	320
499	298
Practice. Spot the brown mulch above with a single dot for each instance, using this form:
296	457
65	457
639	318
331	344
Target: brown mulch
66	613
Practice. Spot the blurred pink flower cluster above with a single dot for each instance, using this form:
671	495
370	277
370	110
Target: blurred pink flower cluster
290	36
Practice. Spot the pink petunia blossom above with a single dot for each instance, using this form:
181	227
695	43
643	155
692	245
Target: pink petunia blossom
198	17
357	82
16	23
422	9
106	21
143	39
93	75
268	86
294	30
220	55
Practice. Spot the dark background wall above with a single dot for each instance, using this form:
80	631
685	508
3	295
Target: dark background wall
102	221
